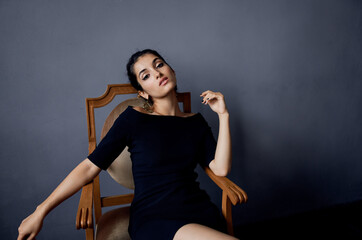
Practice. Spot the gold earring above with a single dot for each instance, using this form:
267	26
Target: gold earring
146	104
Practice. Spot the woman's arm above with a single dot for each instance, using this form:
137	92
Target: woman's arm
80	175
221	165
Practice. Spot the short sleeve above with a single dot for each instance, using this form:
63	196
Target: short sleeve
112	144
207	146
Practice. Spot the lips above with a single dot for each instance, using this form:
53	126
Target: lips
163	81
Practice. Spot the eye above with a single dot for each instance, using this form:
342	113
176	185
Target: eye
146	76
159	65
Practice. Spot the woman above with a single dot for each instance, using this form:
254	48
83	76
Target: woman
165	146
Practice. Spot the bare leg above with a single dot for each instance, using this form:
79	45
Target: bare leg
200	232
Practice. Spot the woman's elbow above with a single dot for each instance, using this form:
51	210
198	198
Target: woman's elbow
91	170
221	171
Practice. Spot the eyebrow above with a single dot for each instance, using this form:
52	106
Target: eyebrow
154	60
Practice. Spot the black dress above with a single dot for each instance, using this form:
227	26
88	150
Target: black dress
164	152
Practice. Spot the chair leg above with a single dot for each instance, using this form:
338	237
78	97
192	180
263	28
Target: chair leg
89	234
226	211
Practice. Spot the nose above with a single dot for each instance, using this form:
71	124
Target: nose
158	74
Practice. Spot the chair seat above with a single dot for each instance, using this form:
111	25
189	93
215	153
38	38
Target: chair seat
113	225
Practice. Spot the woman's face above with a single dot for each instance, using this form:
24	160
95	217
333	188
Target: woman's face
154	75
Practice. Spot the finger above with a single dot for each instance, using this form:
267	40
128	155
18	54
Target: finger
21	235
32	236
203	97
216	95
209	97
210	100
206	97
205	92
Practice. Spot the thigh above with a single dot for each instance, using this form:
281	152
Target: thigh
200	232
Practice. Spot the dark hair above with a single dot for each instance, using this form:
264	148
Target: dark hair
133	59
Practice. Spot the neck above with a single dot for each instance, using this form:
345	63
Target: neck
167	105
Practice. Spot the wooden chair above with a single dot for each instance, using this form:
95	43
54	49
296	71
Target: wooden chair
114	223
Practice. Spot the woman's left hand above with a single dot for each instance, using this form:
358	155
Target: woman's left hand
215	100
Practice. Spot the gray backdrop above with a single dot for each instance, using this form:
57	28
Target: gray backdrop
290	72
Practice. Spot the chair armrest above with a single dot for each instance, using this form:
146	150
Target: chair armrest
233	191
84	217
117	200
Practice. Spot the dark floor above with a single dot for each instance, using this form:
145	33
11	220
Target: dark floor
338	222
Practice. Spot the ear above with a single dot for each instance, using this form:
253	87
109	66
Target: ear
143	94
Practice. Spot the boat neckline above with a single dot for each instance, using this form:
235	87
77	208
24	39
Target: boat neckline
170	116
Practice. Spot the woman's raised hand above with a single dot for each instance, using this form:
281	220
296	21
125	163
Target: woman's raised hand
215	100
30	226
